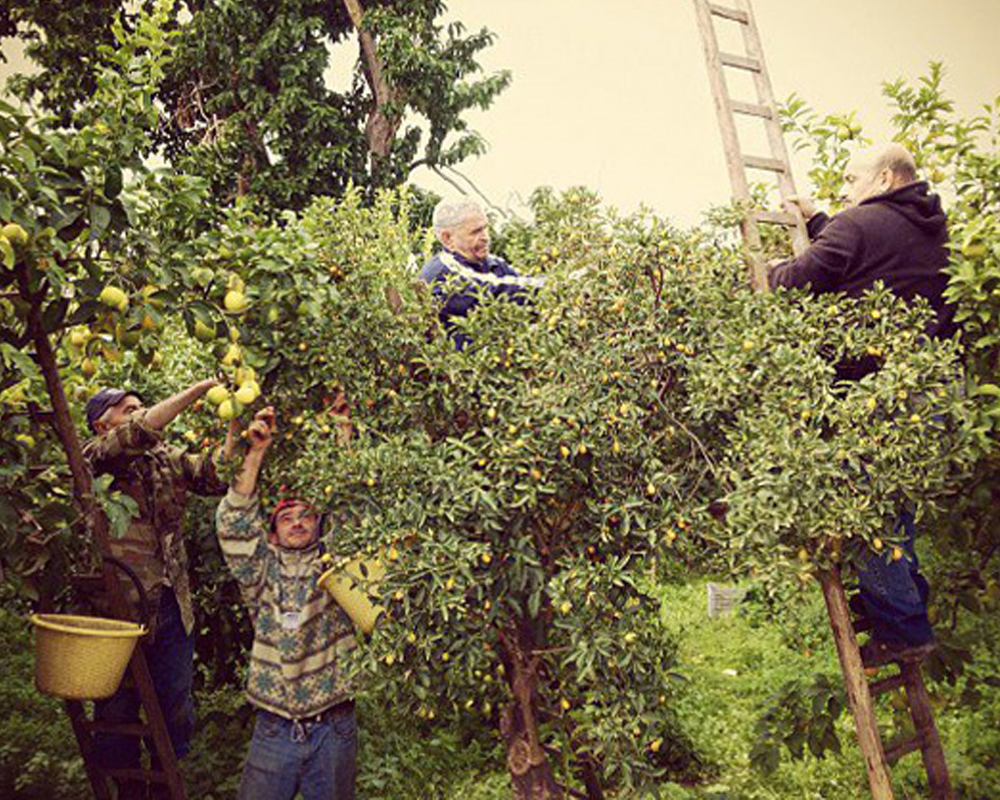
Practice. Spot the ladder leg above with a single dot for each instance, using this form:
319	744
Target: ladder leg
78	719
923	721
162	747
858	695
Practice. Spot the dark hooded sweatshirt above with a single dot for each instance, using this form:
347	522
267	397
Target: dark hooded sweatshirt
897	238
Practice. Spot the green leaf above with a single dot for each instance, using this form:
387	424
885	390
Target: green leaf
112	182
100	218
7	252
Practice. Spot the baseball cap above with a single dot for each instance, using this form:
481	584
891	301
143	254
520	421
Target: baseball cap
102	401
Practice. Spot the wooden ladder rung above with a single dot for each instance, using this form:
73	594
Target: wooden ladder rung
751	109
729	13
145	775
768	164
740	62
900	749
887	685
123	728
776	218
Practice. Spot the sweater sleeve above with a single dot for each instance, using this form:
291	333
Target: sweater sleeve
824	264
242	531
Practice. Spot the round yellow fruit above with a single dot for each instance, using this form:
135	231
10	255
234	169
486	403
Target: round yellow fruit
113	297
88	367
14	234
235	301
226	410
217	395
247	393
233	355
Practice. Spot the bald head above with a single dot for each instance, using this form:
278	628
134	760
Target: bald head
877	171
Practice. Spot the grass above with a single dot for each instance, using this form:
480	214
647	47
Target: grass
731	667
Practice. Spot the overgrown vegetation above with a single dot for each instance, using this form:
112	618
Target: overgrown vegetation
534	497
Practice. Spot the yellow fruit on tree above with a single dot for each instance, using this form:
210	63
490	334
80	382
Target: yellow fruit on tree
113	297
235	301
226	410
88	367
233	355
248	392
14	234
217	395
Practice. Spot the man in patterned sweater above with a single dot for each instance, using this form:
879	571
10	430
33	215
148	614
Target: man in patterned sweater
305	736
128	445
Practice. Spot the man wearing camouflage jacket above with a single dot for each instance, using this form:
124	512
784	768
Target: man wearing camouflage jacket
128	445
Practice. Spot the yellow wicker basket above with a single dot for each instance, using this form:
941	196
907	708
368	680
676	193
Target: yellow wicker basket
344	582
82	658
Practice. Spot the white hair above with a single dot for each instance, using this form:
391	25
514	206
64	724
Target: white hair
449	214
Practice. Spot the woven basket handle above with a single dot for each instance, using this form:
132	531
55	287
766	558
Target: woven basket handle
143	599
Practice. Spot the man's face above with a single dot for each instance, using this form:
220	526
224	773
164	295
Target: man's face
470	238
119	413
296	527
862	181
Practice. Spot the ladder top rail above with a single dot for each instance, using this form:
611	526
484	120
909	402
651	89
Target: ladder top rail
727	12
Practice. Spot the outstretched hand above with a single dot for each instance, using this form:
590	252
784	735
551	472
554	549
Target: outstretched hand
262	429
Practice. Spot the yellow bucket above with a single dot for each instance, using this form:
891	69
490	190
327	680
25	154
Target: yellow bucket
344	583
82	658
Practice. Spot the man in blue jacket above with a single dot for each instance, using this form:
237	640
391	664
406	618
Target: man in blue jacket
893	230
463	230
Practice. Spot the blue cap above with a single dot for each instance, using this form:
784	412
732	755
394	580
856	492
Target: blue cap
102	401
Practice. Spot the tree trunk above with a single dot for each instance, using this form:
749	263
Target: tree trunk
94	518
530	772
380	129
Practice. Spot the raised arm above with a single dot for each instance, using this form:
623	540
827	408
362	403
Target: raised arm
160	415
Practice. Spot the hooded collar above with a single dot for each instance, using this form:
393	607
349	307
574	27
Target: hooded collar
915	202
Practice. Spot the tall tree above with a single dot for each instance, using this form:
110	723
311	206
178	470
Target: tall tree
247	97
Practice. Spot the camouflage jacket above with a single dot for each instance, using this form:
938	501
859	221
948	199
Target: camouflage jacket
300	633
158	477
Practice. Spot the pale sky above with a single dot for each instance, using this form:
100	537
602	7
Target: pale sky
614	95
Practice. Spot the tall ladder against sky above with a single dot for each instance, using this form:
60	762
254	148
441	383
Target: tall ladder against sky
859	692
762	108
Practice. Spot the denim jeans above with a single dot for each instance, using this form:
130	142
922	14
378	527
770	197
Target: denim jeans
317	759
894	594
171	665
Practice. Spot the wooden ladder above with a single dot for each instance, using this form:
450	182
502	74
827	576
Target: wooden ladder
877	757
763	108
860	692
167	773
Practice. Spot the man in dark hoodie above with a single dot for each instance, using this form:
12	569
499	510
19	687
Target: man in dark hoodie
893	230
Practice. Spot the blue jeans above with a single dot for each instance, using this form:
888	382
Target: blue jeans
318	759
170	657
894	594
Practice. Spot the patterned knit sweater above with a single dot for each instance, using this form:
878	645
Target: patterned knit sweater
300	633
